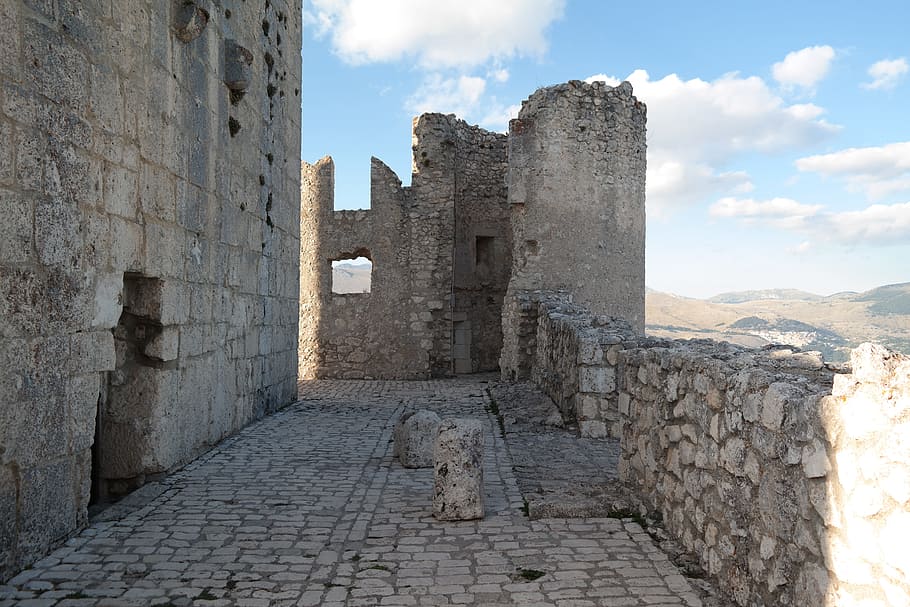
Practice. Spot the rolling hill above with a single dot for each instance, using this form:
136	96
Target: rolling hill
832	325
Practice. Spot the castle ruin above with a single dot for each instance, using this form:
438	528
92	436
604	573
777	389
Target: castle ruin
159	274
489	219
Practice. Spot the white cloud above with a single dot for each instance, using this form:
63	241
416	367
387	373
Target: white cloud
875	225
778	212
438	33
767	209
801	248
886	74
498	116
500	75
697	127
878	171
458	96
804	68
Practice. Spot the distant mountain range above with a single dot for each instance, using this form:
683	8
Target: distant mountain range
351	278
832	325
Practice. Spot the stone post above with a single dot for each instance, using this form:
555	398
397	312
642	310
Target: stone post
458	482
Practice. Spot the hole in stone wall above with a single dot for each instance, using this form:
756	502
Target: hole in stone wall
352	273
124	404
484	255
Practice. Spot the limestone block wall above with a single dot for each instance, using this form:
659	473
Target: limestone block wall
149	238
729	447
788	480
576	363
577	195
416	237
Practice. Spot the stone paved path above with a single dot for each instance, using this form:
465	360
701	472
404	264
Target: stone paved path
308	507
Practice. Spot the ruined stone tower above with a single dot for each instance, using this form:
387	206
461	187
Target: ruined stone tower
577	160
149	205
558	204
440	251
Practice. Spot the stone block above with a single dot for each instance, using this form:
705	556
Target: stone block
126	244
415	438
121	191
82	393
91	351
16	227
458	492
106	99
60	71
108	300
592	429
9	41
596	379
47	505
57	239
6	153
8	495
165	345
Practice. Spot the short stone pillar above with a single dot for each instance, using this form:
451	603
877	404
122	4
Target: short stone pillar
458	483
415	435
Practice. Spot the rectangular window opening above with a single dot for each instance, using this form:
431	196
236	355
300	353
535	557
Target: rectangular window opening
483	255
352	275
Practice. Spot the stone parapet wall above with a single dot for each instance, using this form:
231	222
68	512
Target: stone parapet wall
789	479
576	363
149	237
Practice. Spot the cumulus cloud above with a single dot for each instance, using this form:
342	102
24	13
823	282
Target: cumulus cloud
438	34
498	116
804	68
875	225
878	171
697	127
459	95
886	74
779	212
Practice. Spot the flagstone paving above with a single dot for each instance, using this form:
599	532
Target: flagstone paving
308	507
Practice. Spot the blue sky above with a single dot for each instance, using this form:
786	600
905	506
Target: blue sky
778	132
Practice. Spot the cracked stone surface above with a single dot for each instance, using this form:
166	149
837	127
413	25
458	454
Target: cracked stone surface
309	507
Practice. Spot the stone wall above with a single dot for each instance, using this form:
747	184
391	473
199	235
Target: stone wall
577	196
789	481
421	240
576	355
149	240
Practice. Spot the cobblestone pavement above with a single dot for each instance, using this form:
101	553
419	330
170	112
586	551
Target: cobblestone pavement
307	507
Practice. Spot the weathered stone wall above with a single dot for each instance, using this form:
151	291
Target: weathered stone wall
149	241
483	248
576	359
577	195
790	482
728	446
416	237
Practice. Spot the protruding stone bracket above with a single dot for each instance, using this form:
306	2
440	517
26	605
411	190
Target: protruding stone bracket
238	63
190	20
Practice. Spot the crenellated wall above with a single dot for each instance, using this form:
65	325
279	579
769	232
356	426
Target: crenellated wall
789	479
149	237
421	240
